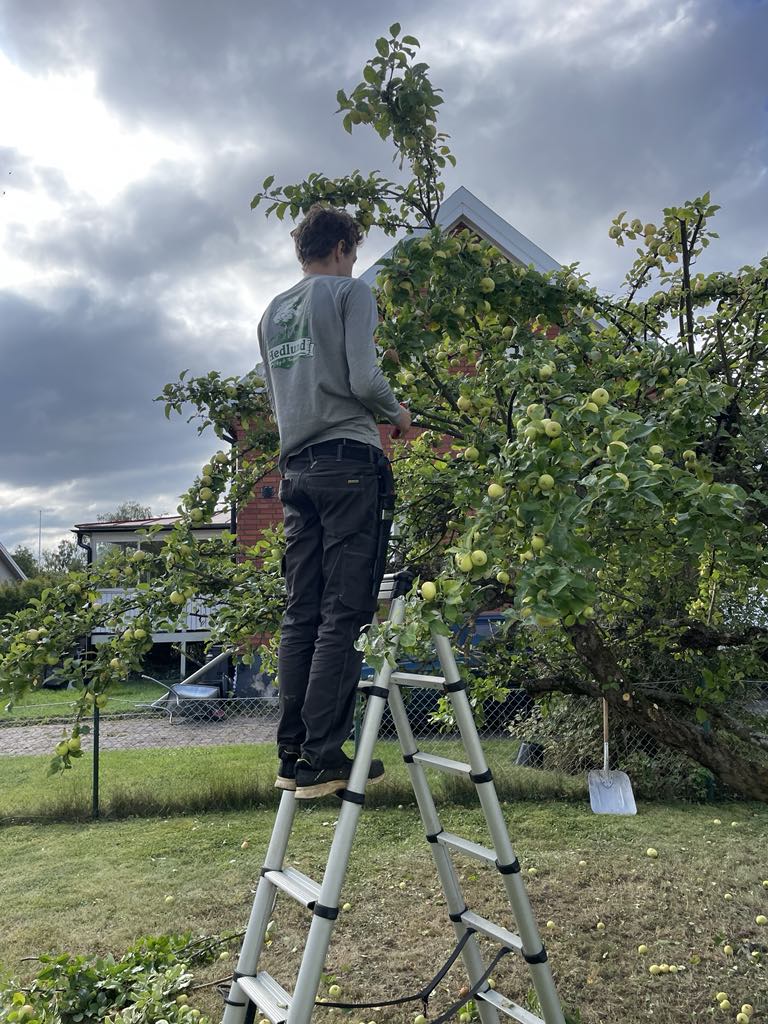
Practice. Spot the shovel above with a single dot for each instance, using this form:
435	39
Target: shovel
610	792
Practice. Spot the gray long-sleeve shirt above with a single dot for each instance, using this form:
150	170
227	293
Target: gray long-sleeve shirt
323	380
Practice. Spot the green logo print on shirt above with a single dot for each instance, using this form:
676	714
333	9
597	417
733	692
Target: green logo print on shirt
292	340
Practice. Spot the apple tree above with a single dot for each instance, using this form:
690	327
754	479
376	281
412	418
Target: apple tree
591	464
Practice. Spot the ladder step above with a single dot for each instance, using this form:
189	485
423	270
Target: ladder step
413	679
295	884
506	1006
445	764
270	997
493	931
467	846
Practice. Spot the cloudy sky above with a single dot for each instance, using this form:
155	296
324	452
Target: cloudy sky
133	136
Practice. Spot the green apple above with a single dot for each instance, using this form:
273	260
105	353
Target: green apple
654	969
73	744
546	482
471	454
600	926
334	991
495	490
196	515
538	542
479	557
681	382
552	428
139	634
101	700
728	950
177	597
546	371
465	563
656	451
487	284
526	556
689	455
650	852
642	949
428	591
206	493
761	919
531	432
503	578
62	748
464	403
32	635
600	397
748	1008
116	664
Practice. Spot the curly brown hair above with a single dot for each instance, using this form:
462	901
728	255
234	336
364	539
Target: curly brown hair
320	232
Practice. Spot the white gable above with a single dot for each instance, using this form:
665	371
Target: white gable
463	207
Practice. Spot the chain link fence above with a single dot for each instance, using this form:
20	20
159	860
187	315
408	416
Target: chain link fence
178	748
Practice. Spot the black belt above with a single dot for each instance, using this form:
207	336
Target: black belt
341	449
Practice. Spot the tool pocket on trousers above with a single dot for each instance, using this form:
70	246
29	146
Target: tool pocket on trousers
357	559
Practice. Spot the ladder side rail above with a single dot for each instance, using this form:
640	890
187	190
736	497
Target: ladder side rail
263	905
321	928
527	927
474	963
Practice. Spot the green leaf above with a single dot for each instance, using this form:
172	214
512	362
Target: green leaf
268	181
255	202
411	40
394	30
347	122
281	210
382	46
370	75
341	97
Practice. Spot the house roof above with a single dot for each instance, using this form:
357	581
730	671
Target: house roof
7	559
462	207
219	521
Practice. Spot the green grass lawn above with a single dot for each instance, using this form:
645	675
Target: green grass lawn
94	888
183	779
44	704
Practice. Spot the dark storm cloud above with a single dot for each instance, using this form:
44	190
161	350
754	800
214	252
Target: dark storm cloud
79	375
654	108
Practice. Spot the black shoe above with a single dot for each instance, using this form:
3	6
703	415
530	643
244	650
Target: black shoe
312	782
286	773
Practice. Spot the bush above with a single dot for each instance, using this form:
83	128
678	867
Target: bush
15	596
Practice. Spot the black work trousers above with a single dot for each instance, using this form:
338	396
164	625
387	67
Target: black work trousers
330	508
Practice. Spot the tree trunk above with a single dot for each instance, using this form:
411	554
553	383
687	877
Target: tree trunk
743	768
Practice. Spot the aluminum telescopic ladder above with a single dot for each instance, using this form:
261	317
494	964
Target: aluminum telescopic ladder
252	988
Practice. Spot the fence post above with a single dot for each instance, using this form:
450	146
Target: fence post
95	788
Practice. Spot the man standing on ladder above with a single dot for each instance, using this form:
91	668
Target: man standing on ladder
327	393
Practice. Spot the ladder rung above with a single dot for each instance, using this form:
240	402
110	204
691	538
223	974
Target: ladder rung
295	884
467	846
445	764
493	931
511	1009
272	999
414	679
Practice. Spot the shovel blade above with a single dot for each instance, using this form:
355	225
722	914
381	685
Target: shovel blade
611	793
